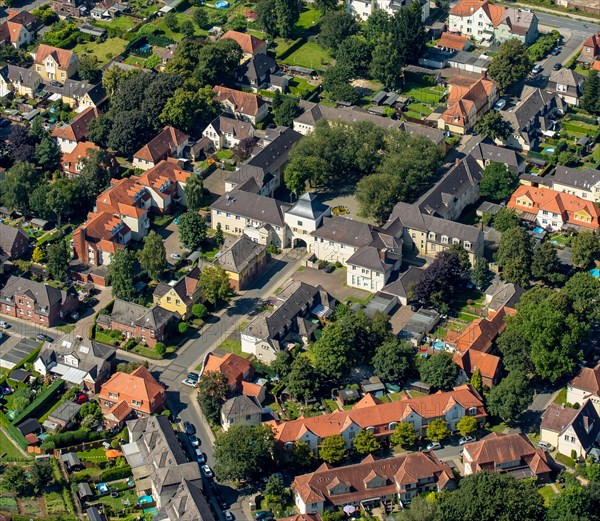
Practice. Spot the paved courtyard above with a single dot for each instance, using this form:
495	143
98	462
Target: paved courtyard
333	283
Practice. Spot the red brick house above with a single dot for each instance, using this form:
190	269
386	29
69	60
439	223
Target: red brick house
130	395
13	242
36	302
590	50
135	321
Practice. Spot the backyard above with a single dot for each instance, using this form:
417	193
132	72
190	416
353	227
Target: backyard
309	55
104	51
8	451
121	23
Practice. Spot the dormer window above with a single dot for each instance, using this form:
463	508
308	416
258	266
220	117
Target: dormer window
444	239
472	411
392	426
114	396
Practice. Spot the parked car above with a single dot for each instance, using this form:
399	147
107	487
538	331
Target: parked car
92	302
81	399
200	457
75	315
466	439
4	324
500	104
434	445
546	446
175	256
329	268
43	338
222	503
265	514
194	441
556	67
228	515
193	376
207	471
537	68
555	51
189	428
189	382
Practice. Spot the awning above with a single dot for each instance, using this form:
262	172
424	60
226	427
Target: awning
321	311
71	375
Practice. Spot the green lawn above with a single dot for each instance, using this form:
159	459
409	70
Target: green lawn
308	19
547	492
309	55
300	87
104	51
122	23
233	346
7	447
136	61
101	336
55	503
429	95
8	504
95	455
176	35
117	504
224	153
561	397
69	328
418	110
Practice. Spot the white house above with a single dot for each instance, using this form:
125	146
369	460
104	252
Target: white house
304	218
362	9
227	132
571	431
585	386
583	183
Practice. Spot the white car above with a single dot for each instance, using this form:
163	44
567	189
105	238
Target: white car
434	445
546	446
189	382
500	104
537	68
4	324
466	439
207	471
175	256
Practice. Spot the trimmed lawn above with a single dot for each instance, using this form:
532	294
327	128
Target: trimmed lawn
69	328
104	51
233	346
136	61
429	95
95	455
308	19
418	110
117	504
122	23
8	504
309	55
547	492
299	87
176	35
561	397
100	336
7	447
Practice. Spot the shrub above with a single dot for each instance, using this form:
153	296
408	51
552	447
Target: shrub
161	348
66	439
183	327
116	473
41	401
272	249
199	310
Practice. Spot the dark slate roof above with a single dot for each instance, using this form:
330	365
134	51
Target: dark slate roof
78	89
94	515
252	206
415	130
584	179
157	441
409	215
296	297
240	129
402	285
27	77
532	102
8	236
257	67
29	426
189	503
314	112
308	206
587	425
240	254
268	161
495	154
128	313
66	411
90	355
43	295
439	200
345	231
239	406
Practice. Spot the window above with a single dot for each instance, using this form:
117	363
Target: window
113	395
544	212
392	426
136	402
444	239
168	300
472	411
299	223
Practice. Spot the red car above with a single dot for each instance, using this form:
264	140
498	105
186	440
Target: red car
81	399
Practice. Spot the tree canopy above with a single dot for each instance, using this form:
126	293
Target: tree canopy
498	181
514	256
214	284
439	371
121	272
510	64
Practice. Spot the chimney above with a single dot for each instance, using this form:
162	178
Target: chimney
382	254
457	162
484	74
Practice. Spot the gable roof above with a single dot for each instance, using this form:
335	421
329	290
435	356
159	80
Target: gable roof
546	199
314	112
185	287
481	333
82	150
370	413
588	380
567	77
160	146
458	42
189	503
240	406
252	206
63	57
532	101
499	448
584	179
230	364
240	254
467	97
8	237
461	178
239	129
166	172
43	295
469	7
78	128
495	154
134	314
257	67
472	360
249	44
242	102
139	385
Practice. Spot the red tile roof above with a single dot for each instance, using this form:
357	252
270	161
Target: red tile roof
161	146
369	412
71	159
481	333
249	44
467	97
233	366
321	485
472	360
140	386
546	199
242	102
457	42
588	380
61	56
469	7
77	129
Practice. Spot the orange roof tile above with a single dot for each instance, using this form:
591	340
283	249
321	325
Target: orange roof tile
546	199
472	360
71	159
243	102
470	7
165	170
77	129
232	365
480	333
251	389
249	44
160	146
588	380
119	411
457	42
140	386
61	56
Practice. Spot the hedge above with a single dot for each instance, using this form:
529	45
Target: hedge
565	460
15	434
40	402
66	439
116	473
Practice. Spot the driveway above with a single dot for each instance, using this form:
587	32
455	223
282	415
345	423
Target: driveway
334	283
170	237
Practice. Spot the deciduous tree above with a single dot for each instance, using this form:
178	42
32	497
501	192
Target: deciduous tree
591	93
437	430
58	260
585	248
404	435
493	126
302	380
439	371
14	479
335	27
332	449
89	68
213	388
42	475
194	193
386	62
505	219
584	291
365	442
510	397
121	272
19	183
466	425
481	275
394	361
285	109
510	64
545	265
215	285
244	452
192	230
514	256
498	181
153	256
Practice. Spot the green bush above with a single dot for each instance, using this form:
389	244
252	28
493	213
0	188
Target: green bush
15	434
116	473
41	401
565	460
66	439
183	328
199	310
161	348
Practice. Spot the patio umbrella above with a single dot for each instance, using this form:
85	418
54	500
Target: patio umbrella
349	509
